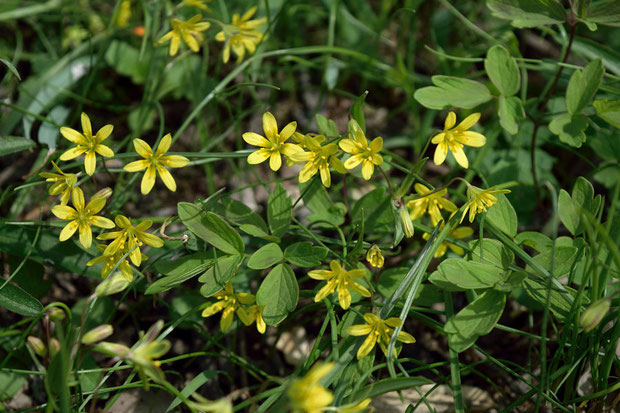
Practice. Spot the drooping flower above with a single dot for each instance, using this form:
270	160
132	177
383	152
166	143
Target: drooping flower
188	30
453	138
81	218
378	330
146	351
307	395
230	303
130	238
318	159
430	203
274	145
241	35
339	280
156	163
87	143
456	233
478	200
367	155
375	257
63	184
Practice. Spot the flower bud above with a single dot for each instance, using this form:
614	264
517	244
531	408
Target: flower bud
36	344
113	284
405	219
97	334
112	349
54	347
375	257
56	314
104	193
594	314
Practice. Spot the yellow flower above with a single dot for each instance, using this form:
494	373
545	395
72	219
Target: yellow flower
147	349
205	405
453	138
362	153
255	313
318	159
124	13
109	262
307	395
375	257
87	143
129	237
64	184
429	203
478	200
81	218
378	331
188	30
199	4
362	406
340	280
456	233
230	303
155	164
274	146
241	35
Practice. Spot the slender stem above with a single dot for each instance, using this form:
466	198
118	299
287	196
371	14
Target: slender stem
388	181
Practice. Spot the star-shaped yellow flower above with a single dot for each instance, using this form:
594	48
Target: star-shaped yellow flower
241	35
431	203
81	218
456	233
63	184
110	261
189	31
367	155
129	237
453	138
307	395
478	200
378	331
230	303
146	350
318	159
87	143
339	280
274	146
155	164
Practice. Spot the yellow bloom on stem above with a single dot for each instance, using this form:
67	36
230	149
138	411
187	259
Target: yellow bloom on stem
375	257
189	31
129	237
339	280
255	313
378	331
318	159
63	184
430	203
87	143
241	35
273	146
199	4
478	200
230	303
307	395
124	13
456	233
81	218
146	350
453	138
367	155
155	164
110	261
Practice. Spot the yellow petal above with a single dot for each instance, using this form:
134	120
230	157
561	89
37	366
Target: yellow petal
450	121
270	126
86	235
227	319
275	161
86	126
320	274
359	330
474	139
307	172
174	161
220	37
367	169
326	177
324	292
174	44
460	157
376	144
359	288
405	338
255	139
349	146
101	222
148	180
462	232
143	148
213	309
468	122
64	212
288	131
291	150
104	151
78	200
163	146
150	239
72	153
191	41
72	135
166	176
136	166
344	297
440	153
367	346
68	230
90	162
353	161
258	156
104	133
438	138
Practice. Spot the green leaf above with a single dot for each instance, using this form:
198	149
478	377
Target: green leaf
304	254
19	301
492	252
357	111
570	207
608	110
216	276
456	274
211	228
12	144
11	68
48	133
510	112
594	50
279	294
317	199
606	13
503	71
503	216
258	232
57	379
179	271
125	59
583	85
327	127
10	384
452	91
377	211
535	240
427	294
528	13
279	211
265	257
563	260
239	214
560	303
569	129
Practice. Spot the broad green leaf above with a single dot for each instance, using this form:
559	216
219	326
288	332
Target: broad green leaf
211	228
511	113
15	299
513	281
279	294
571	208
535	240
327	127
478	317
492	252
317	199
125	59
581	7
456	274
357	111
461	343
48	133
503	216
179	271
569	129
528	13
258	232
216	276
563	260
266	256
559	302
427	294
304	254
583	85
452	91
377	211
503	71
279	211
606	13
608	110
12	144
10	384
594	50
239	214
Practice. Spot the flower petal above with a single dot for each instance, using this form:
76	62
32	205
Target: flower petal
270	126
104	133
148	180
349	146
468	122
258	156
68	230
86	126
353	161
166	176
359	288
143	148
64	212
136	166
460	157
101	222
321	274
450	121
359	330
367	169
90	162
86	235
275	161
474	139
174	161
326	290
344	297
72	135
367	346
104	151
376	144
72	153
163	146
405	338
440	153
255	139
288	131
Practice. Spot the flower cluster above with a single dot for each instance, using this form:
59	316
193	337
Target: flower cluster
231	303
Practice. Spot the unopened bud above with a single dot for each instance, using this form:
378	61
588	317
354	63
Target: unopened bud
54	346
97	334
405	219
104	193
115	283
56	314
112	349
594	314
36	344
375	257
